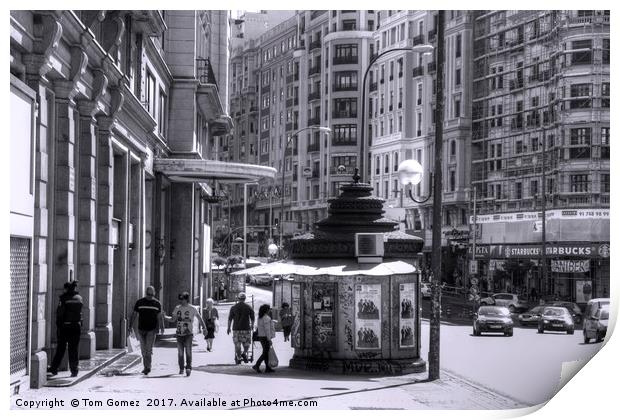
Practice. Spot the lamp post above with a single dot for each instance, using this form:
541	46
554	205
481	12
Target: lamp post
245	217
289	140
411	173
421	49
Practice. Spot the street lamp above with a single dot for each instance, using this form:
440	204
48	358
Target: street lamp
424	49
412	173
326	130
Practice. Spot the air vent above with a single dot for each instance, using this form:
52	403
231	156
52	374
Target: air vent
369	247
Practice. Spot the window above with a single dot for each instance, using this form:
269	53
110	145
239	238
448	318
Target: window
458	45
345	54
457	77
452	180
345	80
150	93
605	93
605	183
518	191
345	108
534	187
457	108
584	56
453	148
377	167
580	136
348	162
349	25
419	124
395	162
519	147
344	134
579	183
606	51
163	113
386	190
419	101
605	136
534	143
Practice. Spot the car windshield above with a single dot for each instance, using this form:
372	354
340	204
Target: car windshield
494	311
555	311
604	314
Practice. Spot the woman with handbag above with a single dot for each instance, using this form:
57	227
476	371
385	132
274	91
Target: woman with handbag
266	331
211	318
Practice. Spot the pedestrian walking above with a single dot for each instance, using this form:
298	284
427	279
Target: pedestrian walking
150	320
286	320
184	314
211	318
68	328
221	290
241	317
266	331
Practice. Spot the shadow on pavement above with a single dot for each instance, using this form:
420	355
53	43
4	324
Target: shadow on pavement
282	373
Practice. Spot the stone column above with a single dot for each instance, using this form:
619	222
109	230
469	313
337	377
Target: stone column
104	251
135	256
87	223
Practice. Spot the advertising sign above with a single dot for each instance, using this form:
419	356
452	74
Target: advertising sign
296	311
583	291
570	266
367	316
323	322
407	315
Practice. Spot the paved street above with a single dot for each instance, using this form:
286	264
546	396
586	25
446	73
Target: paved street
520	369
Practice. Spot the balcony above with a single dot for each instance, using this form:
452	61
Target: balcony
314	70
204	72
432	34
314	147
418	71
313	96
431	67
314	44
516	84
349	59
417	40
344	114
373	86
314	120
346	141
344	88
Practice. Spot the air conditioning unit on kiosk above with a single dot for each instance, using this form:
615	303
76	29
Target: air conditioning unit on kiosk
369	247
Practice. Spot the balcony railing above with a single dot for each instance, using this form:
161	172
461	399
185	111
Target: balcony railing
431	67
314	120
418	71
314	69
349	141
314	147
344	114
204	72
348	59
342	88
312	96
315	44
432	34
417	40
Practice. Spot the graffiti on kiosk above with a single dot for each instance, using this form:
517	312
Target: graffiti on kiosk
357	366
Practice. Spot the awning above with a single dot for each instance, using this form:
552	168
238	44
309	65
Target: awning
335	267
199	170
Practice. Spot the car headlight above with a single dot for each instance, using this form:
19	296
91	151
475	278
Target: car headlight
546	321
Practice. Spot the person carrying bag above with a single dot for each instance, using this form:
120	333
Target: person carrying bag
266	331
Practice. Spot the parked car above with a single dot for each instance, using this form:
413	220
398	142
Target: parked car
425	290
493	319
532	316
260	279
509	300
595	325
573	308
556	318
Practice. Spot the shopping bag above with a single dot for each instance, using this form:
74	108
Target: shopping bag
133	344
273	358
217	325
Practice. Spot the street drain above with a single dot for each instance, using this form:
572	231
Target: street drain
335	389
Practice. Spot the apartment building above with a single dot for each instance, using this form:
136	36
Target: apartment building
540	136
401	125
114	116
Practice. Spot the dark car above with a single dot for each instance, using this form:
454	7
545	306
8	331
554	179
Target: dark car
494	319
572	307
556	318
532	316
596	327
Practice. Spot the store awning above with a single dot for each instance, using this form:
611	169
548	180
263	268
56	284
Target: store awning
332	267
199	170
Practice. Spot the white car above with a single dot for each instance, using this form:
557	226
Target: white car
508	300
260	279
425	290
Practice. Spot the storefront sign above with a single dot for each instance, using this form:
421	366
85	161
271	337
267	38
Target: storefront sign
407	315
570	266
581	214
535	251
367	316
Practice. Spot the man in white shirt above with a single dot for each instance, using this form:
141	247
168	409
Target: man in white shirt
184	314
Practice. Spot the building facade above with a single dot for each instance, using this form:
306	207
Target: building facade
111	114
540	139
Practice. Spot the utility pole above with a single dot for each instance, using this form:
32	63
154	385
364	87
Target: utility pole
435	319
545	275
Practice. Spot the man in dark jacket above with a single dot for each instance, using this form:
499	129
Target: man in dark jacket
241	317
69	325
